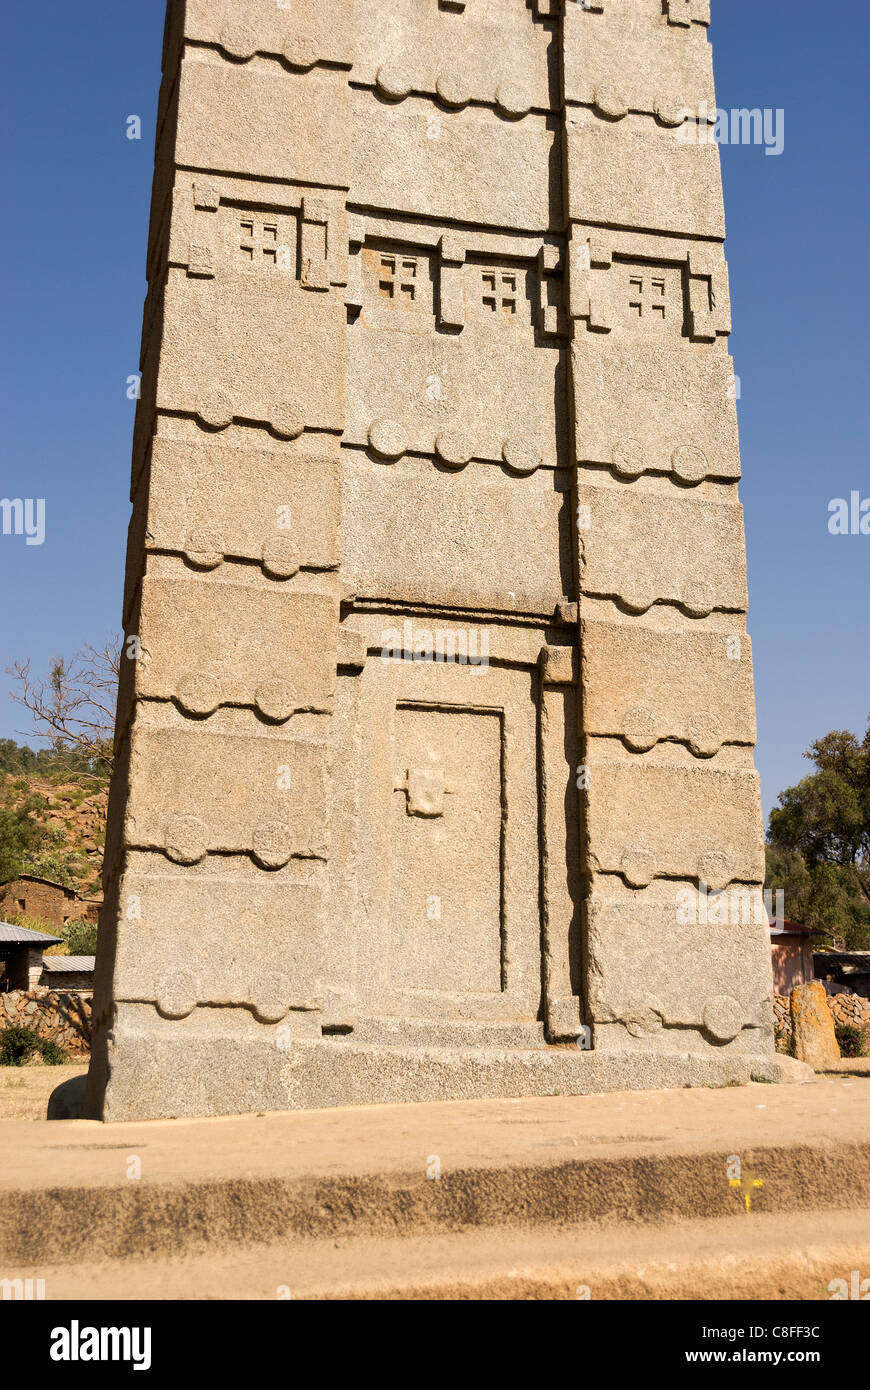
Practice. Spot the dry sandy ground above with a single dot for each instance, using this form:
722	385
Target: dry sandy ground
627	1195
24	1091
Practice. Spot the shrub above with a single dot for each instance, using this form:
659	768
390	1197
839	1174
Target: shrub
80	938
853	1041
17	1045
52	1053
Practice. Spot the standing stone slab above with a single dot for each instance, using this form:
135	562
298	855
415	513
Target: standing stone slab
434	740
815	1038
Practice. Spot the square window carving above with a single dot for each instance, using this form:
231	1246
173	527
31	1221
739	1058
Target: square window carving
262	243
398	288
498	295
648	299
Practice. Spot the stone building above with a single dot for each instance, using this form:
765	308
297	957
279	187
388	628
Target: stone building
31	896
21	956
69	974
24	965
437	569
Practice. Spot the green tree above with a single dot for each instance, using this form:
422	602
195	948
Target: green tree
80	938
819	842
21	834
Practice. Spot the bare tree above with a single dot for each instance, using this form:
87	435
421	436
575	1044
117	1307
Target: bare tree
73	708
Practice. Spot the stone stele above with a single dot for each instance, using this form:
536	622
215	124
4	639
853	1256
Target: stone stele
813	1031
440	703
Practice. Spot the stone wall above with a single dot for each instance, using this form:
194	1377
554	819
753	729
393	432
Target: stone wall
52	902
849	1009
62	1017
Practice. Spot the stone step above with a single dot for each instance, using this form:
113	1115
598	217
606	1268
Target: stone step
764	1255
75	1193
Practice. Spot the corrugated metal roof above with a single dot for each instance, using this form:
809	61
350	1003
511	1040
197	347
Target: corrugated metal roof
62	964
858	960
24	935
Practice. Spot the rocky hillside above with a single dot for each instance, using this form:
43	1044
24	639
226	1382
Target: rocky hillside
52	823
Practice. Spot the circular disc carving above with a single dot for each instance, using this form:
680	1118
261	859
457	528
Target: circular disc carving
238	41
638	868
186	839
215	409
270	996
453	89
300	52
388	438
671	111
199	693
611	101
698	599
276	700
627	458
454	448
513	100
639	730
705	734
723	1017
205	549
635	597
642	1017
273	844
715	868
177	995
280	557
689	463
522	455
393	81
287	421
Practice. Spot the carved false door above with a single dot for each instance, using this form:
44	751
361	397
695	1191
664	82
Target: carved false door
448	909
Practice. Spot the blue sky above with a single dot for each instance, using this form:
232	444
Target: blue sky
73	254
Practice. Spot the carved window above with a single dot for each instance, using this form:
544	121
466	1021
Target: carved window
647	297
399	278
261	245
500	291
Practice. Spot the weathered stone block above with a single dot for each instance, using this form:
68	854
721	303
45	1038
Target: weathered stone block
230	352
254	940
642	547
634	60
195	791
213	1062
300	34
717	995
664	814
494	53
208	642
472	165
635	173
209	501
813	1031
228	122
654	408
412	531
643	684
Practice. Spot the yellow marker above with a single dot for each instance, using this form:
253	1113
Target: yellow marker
750	1182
